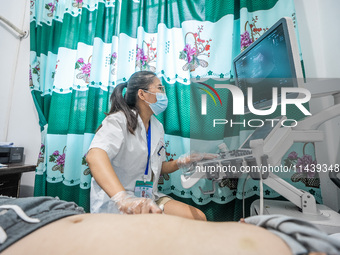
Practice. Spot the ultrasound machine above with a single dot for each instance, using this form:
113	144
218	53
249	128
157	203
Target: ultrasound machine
267	63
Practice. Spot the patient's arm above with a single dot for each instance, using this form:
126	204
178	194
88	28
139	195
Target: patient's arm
147	234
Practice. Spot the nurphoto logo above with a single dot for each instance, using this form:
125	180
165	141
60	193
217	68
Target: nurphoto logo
302	96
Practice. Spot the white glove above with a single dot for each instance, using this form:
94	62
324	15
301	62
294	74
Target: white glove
129	204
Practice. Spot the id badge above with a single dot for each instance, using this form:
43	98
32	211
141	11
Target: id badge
143	189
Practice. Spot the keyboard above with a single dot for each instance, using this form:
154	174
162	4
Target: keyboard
240	153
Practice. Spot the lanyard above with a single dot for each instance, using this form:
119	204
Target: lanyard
149	148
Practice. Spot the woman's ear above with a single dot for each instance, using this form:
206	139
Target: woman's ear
141	94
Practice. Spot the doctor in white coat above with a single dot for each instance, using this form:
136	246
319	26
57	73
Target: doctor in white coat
127	154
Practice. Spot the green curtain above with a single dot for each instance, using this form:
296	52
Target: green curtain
81	49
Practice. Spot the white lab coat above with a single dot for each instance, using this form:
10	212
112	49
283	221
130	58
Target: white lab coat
128	155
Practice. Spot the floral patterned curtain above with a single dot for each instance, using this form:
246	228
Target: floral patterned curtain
81	49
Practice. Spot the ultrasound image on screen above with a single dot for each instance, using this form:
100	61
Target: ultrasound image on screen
265	66
259	133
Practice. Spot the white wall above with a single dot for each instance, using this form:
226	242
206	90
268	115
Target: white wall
319	38
18	117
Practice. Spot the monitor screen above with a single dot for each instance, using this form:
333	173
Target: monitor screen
267	63
259	133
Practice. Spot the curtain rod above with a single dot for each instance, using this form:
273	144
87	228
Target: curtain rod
10	24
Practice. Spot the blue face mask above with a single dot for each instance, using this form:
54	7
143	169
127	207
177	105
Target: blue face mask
160	105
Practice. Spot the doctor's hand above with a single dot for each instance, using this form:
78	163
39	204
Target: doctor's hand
129	204
185	160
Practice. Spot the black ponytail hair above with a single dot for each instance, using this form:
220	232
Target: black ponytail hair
127	104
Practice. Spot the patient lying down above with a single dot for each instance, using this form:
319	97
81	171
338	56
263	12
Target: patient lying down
146	234
44	225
